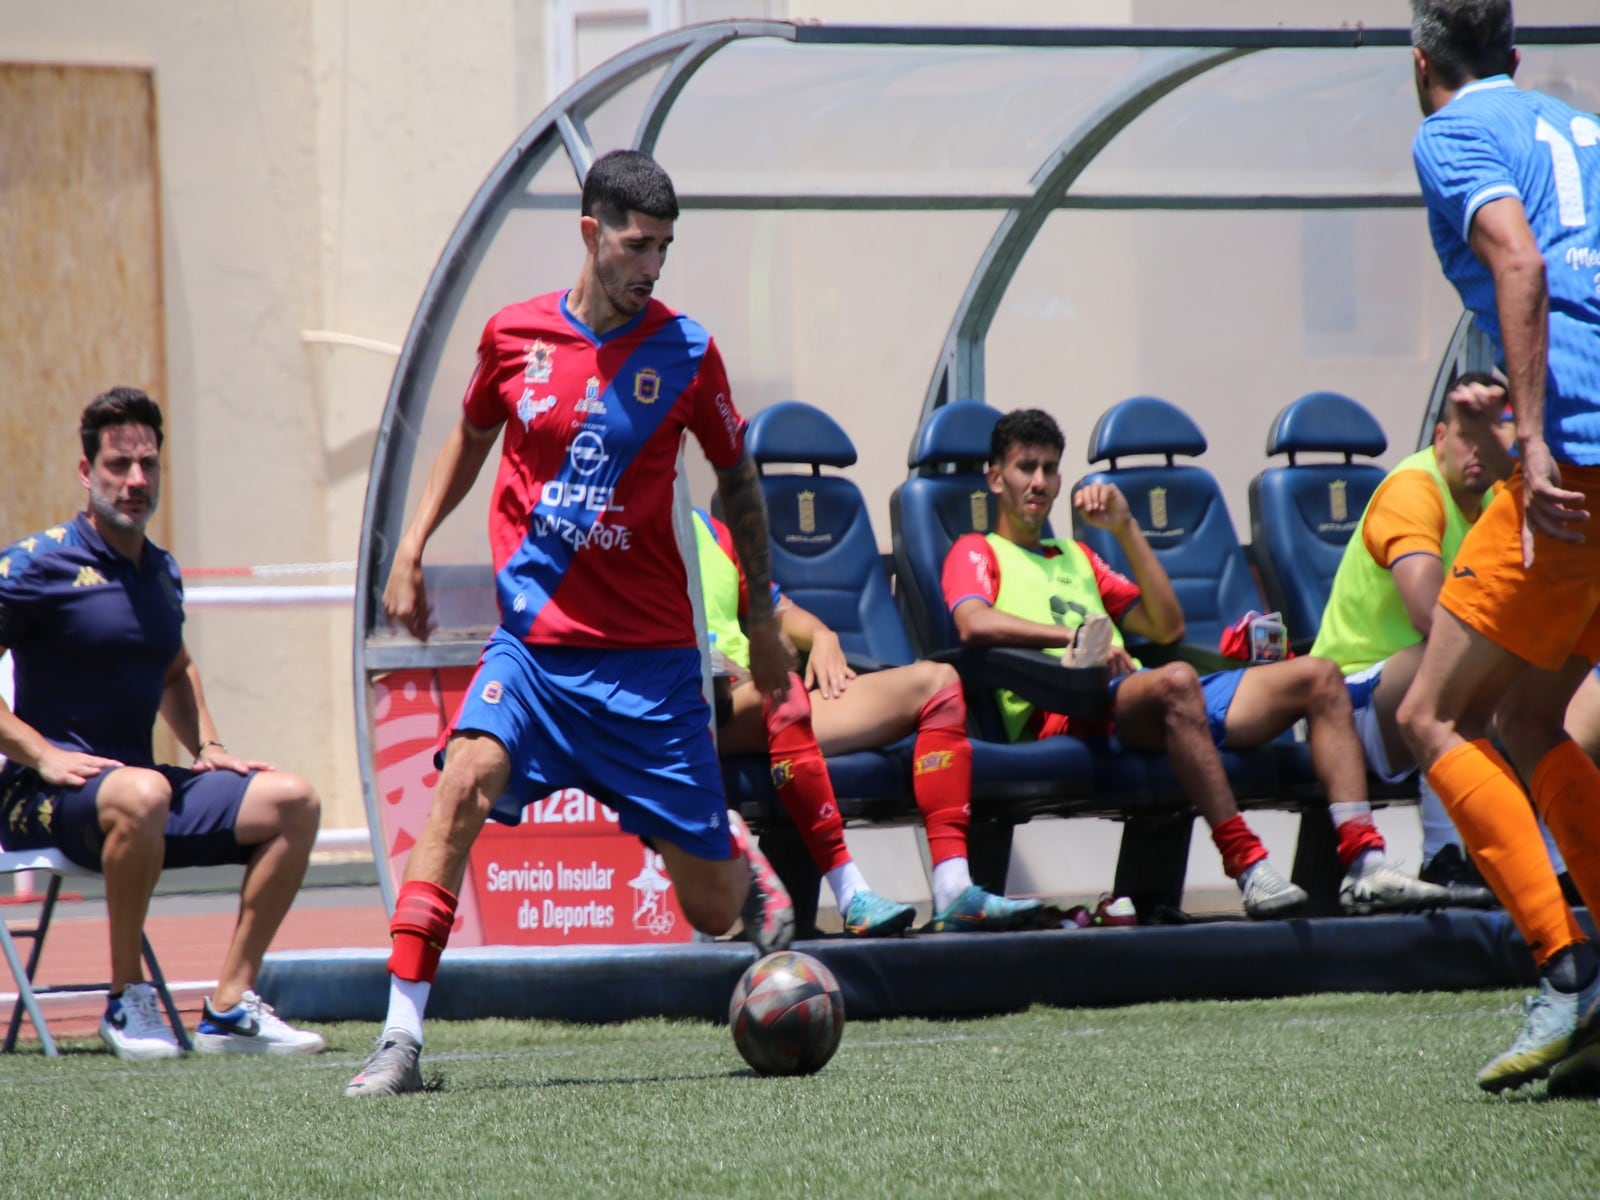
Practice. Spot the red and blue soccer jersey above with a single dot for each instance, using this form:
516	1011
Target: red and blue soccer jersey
580	525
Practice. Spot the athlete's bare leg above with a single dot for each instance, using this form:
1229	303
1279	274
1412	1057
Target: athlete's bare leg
279	817
1272	697
476	771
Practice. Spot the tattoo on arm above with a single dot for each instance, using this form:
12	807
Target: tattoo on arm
745	514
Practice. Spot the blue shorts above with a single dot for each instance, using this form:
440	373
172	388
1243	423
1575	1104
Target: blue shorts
630	727
1218	689
200	825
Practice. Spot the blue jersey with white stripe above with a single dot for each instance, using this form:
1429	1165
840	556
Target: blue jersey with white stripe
1495	140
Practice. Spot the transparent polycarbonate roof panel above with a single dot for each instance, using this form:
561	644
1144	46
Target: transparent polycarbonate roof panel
1299	123
1570	73
1230	315
764	118
614	123
1273	123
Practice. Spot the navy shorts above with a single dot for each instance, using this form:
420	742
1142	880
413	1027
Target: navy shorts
205	809
630	727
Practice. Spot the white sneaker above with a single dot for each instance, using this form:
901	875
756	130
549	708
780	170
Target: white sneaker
1268	895
251	1027
1378	887
134	1026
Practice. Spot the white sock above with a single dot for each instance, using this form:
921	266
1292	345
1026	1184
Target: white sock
1367	860
407	999
846	881
1557	863
1349	810
1438	830
1243	878
950	878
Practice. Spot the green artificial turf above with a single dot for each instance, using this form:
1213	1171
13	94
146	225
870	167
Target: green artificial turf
1350	1095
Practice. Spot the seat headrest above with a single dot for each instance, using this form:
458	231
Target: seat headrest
957	432
1326	421
1144	425
792	432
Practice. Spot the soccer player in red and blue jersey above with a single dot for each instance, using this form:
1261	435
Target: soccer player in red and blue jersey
593	678
1512	183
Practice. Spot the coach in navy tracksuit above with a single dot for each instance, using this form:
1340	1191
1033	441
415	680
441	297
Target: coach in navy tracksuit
92	613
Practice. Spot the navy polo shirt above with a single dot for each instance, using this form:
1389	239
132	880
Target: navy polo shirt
92	635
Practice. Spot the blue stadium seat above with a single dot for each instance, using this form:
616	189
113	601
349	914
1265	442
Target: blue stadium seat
1302	514
825	558
824	553
1180	509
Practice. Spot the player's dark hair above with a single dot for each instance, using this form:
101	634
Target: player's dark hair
119	406
625	181
1024	427
1464	39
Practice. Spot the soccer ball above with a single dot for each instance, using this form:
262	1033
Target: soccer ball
787	1014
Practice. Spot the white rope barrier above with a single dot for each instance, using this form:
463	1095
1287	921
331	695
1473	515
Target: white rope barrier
329	841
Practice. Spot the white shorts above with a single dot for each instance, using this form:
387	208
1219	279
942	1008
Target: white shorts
1361	686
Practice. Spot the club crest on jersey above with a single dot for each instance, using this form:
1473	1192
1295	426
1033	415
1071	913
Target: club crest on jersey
492	692
528	408
646	386
541	357
591	402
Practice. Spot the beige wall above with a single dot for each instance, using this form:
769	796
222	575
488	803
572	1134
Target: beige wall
314	156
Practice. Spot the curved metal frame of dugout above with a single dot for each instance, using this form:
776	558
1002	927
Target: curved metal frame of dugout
1174	58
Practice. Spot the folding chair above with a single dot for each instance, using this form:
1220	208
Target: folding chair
55	865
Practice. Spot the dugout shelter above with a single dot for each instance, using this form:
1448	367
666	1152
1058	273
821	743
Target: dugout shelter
880	221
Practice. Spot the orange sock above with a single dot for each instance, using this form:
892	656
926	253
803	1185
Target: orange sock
1566	791
1481	793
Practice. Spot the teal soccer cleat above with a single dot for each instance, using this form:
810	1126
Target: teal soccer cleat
871	915
975	910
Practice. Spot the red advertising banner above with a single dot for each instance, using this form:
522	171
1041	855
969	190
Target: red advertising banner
566	876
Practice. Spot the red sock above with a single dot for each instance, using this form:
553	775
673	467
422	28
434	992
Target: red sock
420	928
1356	837
1240	848
941	774
801	780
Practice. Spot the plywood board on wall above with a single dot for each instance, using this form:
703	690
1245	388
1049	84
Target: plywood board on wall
80	272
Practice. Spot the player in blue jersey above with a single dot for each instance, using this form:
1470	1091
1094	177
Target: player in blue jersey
1512	184
92	613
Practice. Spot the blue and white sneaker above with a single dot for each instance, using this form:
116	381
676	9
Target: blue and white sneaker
1546	1038
871	915
1578	1074
251	1027
976	910
133	1025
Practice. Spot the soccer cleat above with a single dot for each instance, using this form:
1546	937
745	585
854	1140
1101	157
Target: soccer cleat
1115	911
251	1027
1545	1039
392	1069
133	1026
975	909
1379	888
1268	895
1578	1074
871	915
768	912
1463	886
